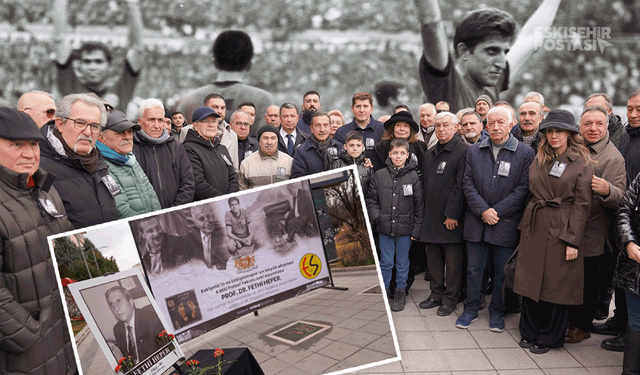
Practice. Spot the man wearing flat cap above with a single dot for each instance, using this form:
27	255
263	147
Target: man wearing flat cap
83	180
266	166
34	332
212	166
115	143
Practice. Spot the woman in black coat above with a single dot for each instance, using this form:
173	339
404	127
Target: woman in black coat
627	273
400	125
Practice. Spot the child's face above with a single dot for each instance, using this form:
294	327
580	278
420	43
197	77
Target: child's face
354	148
398	156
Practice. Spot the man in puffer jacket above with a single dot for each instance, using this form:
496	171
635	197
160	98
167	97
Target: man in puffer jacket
34	338
395	206
115	142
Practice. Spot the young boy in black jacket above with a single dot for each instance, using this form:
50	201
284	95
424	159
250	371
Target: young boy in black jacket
395	206
353	154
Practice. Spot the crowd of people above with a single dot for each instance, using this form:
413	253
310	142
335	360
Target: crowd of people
513	200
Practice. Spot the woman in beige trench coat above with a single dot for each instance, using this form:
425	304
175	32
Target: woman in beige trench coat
549	269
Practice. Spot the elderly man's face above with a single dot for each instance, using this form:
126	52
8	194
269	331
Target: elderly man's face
241	125
320	127
311	103
152	121
427	116
471	127
445	129
250	111
633	111
269	143
80	130
121	307
272	117
593	126
207	127
93	67
499	126
530	117
218	105
120	142
22	156
203	219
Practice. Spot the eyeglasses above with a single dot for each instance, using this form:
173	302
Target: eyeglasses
49	112
242	124
82	125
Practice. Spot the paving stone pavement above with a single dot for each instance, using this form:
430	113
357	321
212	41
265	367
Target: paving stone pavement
360	332
432	345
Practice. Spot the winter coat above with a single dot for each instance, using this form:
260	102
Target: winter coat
308	160
136	193
630	150
395	201
484	188
86	198
555	217
168	169
609	165
418	149
616	130
212	167
443	170
627	273
34	336
365	173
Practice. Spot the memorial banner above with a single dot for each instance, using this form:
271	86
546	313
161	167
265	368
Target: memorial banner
231	256
127	323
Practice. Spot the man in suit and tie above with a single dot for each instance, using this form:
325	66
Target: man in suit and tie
161	250
206	242
290	136
136	330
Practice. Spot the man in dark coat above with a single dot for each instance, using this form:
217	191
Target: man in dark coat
162	157
319	151
34	338
496	184
136	330
82	175
363	122
442	221
212	166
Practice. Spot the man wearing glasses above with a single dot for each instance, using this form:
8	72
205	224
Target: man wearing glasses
39	105
241	125
83	181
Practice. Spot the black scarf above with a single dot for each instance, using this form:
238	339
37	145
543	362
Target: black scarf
89	161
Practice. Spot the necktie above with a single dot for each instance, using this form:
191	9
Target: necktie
131	345
290	144
206	247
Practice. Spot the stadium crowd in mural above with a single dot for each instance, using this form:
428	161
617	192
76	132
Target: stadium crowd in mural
471	170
